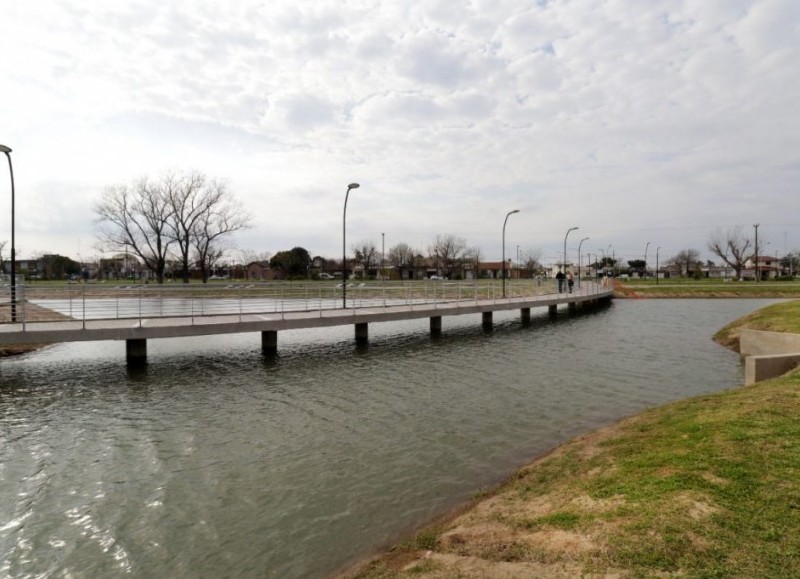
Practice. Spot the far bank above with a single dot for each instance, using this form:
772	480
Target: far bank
704	288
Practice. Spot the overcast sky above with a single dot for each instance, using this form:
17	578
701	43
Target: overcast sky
655	121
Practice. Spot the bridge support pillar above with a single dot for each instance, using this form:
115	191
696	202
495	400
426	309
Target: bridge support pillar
525	315
572	306
436	325
552	310
487	320
269	342
136	351
362	333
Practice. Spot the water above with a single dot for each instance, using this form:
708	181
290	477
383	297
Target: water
213	461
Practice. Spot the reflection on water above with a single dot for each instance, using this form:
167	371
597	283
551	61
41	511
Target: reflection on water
212	460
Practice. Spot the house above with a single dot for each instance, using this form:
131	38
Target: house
768	267
494	270
259	271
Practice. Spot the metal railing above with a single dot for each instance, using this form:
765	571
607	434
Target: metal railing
110	301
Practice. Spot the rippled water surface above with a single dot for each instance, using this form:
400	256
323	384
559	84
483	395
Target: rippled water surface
213	461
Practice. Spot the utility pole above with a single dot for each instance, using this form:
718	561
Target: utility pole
755	226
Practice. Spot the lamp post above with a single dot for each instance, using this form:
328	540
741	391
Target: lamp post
657	250
7	151
344	245
504	247
645	260
579	259
565	247
603	251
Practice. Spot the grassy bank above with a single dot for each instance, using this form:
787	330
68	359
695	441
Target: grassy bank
709	486
704	288
782	317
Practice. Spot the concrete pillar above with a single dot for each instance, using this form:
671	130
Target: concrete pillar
436	325
136	351
269	342
552	310
571	306
487	320
525	315
362	333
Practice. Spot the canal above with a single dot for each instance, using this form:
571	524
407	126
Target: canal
213	461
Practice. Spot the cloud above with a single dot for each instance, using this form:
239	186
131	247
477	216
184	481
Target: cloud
614	116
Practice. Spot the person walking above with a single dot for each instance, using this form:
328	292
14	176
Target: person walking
560	278
570	281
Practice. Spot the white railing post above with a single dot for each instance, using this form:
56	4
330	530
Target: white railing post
83	299
24	312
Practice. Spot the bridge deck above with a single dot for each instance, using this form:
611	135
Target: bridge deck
69	330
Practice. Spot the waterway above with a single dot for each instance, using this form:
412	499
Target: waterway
213	461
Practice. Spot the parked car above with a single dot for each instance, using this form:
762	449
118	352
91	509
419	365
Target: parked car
325	275
436	277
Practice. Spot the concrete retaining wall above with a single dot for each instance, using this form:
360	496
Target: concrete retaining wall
758	343
768	354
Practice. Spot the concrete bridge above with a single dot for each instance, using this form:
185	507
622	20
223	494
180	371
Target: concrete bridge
135	314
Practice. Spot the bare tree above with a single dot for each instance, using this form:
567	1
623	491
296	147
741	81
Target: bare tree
447	250
687	260
250	256
137	217
2	259
532	260
181	211
189	197
402	256
366	254
473	256
213	226
732	247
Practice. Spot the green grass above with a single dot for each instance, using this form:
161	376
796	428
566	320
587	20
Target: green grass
705	288
781	317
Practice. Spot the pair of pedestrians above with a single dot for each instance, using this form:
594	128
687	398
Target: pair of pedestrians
561	278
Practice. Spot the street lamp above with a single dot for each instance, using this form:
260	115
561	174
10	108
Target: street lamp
579	259
344	245
603	251
504	248
645	260
565	247
7	151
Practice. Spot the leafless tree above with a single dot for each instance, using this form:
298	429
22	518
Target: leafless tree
687	260
180	211
532	260
733	247
473	256
402	256
447	250
214	225
366	254
189	196
2	259
137	217
249	256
